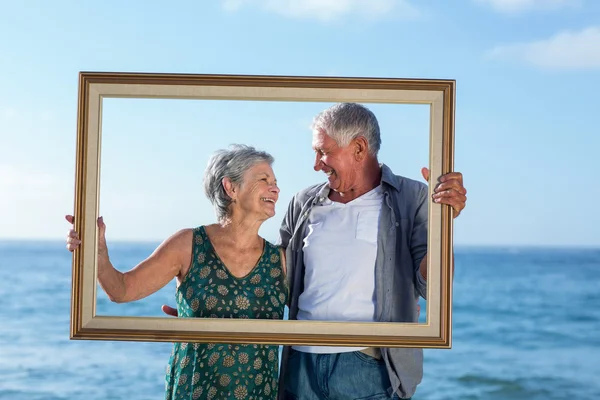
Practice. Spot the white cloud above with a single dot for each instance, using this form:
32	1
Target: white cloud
566	50
326	10
521	6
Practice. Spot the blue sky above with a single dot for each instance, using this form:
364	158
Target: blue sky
527	71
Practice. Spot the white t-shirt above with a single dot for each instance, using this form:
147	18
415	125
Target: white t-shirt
340	248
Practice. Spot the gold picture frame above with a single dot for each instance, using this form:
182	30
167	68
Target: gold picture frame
95	86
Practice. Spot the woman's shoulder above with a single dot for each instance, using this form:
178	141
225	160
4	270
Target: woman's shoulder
184	234
182	239
271	245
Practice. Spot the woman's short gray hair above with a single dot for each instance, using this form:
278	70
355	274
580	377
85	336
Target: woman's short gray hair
344	122
231	163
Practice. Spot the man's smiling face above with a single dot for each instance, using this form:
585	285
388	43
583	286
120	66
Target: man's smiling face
338	163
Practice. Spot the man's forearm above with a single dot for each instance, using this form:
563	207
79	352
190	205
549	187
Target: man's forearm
423	266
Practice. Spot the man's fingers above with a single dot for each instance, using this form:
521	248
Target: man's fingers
453	198
170	311
451	184
452	175
70	219
453	202
458	200
442	197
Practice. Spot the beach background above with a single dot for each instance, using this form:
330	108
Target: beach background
527	285
525	328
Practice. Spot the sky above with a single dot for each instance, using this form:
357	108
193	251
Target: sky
527	72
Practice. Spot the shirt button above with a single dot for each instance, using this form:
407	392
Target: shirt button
397	224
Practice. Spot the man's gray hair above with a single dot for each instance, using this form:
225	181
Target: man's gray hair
231	163
344	122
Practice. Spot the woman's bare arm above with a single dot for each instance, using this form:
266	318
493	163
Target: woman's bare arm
171	259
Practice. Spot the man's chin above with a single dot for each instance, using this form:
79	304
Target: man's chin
333	182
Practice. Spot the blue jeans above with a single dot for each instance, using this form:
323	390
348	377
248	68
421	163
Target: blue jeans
339	376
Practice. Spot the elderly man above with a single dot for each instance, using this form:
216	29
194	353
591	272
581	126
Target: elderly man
356	250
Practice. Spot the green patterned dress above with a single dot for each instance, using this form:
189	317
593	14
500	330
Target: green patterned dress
209	290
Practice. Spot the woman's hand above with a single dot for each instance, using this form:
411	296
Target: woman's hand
73	240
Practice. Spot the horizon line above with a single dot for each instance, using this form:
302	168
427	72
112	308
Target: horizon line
456	245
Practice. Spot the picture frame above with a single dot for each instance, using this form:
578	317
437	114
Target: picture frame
439	94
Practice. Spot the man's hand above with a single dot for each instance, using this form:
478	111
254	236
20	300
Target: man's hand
169	311
449	190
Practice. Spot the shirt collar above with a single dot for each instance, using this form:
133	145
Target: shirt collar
387	177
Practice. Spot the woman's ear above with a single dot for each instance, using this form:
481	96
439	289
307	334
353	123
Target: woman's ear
230	188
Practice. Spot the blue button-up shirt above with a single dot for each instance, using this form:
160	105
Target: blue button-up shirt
401	245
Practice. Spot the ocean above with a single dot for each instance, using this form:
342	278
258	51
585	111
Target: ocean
526	326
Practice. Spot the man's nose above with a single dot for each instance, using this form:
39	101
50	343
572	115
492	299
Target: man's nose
318	163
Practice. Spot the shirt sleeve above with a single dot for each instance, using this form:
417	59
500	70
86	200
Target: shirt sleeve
418	245
287	226
286	231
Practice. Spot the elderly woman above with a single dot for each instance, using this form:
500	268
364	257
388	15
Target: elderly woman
223	270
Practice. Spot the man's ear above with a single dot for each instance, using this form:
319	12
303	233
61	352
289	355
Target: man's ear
361	148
